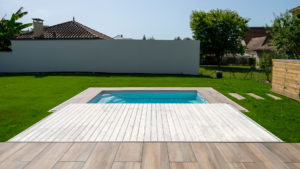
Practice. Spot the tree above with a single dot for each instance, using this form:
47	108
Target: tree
151	38
187	38
10	28
220	32
285	31
144	37
177	38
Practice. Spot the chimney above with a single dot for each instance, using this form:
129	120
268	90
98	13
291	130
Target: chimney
37	27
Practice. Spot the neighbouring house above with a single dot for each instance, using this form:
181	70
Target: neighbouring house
294	10
120	37
66	30
257	41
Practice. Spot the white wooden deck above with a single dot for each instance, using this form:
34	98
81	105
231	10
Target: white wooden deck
146	122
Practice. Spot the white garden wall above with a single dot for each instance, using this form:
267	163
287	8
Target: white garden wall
107	56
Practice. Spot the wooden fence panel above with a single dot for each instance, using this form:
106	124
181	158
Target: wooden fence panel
286	78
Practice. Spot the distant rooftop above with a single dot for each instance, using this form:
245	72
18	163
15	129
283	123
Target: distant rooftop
295	9
67	30
257	38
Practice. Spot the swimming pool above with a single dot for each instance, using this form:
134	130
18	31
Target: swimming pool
152	96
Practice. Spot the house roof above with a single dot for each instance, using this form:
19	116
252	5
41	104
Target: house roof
295	9
67	30
256	43
257	38
260	43
255	32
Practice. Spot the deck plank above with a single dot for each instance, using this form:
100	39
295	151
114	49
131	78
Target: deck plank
126	165
102	156
181	152
152	155
49	157
155	156
186	165
208	156
147	122
68	165
79	152
129	152
7	149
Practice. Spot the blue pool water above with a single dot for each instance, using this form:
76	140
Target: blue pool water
148	97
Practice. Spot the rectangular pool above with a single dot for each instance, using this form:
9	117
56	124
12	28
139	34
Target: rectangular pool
149	96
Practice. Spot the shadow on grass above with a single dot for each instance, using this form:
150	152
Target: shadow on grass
48	74
234	69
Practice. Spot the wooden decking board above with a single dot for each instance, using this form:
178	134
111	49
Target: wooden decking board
208	156
49	156
68	165
79	152
187	165
181	152
235	153
146	122
159	155
7	149
126	165
286	152
102	156
155	156
129	152
264	154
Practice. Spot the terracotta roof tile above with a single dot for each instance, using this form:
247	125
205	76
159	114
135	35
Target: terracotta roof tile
67	30
255	32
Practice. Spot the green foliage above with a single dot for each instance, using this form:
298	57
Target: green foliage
177	38
187	38
10	28
266	63
144	37
219	31
151	38
286	34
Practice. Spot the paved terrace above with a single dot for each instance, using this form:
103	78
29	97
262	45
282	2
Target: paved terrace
149	155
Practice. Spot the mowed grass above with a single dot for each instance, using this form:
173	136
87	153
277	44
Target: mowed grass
26	99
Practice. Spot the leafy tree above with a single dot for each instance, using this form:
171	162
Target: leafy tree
177	38
266	61
10	28
144	37
285	31
219	31
151	38
187	38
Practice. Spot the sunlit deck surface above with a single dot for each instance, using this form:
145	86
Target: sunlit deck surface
149	155
217	122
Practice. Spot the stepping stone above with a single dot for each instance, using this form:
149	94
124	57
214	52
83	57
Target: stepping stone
274	97
237	96
255	96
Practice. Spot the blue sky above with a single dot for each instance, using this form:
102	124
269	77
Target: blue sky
162	19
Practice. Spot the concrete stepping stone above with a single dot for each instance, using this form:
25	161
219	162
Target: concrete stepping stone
274	97
237	96
255	96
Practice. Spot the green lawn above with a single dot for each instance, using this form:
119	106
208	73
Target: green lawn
26	99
